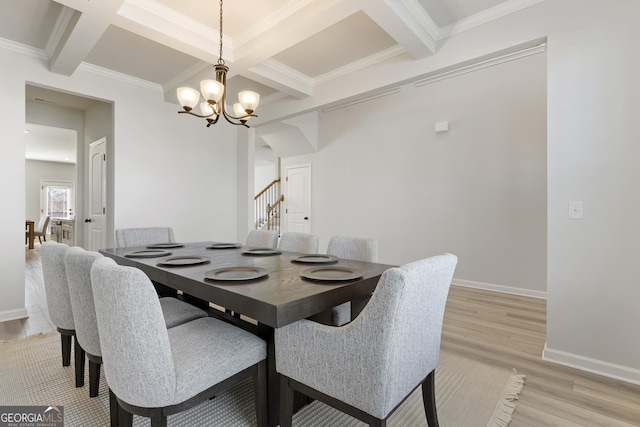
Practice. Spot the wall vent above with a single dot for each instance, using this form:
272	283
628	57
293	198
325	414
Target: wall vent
43	101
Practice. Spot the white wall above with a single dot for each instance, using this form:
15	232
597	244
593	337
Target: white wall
593	143
478	191
35	172
264	175
168	169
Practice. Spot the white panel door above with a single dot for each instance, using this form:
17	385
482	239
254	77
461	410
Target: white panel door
97	195
298	198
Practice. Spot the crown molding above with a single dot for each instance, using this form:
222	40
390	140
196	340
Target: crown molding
360	64
124	78
486	16
23	49
483	64
186	75
299	85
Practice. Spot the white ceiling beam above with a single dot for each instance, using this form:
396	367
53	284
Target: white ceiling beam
163	25
407	22
83	32
253	50
278	76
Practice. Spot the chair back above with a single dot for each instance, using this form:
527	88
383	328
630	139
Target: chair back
78	263
43	223
128	237
262	239
305	243
401	326
136	353
356	248
55	284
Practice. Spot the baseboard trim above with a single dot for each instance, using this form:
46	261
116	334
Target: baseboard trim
500	288
19	313
594	366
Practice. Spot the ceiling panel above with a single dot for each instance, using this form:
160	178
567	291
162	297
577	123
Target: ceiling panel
349	40
124	52
30	21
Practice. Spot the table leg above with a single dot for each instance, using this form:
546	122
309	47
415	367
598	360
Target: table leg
31	236
273	381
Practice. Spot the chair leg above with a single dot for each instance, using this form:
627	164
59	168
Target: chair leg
65	340
94	378
429	399
158	419
79	363
260	393
114	410
125	418
286	403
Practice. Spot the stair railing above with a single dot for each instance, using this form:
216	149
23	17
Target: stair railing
268	203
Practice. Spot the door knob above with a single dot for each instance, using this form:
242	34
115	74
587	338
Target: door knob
306	218
87	220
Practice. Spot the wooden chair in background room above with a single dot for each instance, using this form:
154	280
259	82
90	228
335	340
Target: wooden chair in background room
40	229
304	243
359	249
78	263
59	304
262	239
387	352
153	371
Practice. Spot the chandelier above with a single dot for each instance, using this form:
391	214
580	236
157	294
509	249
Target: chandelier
214	93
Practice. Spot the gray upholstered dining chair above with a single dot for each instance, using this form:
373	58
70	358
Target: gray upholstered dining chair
359	249
78	263
142	236
262	239
389	350
59	304
154	371
128	237
305	243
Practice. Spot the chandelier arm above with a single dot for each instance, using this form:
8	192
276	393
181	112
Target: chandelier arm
196	115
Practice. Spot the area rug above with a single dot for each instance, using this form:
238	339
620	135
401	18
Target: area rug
468	394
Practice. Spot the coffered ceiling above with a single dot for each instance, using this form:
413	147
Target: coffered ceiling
280	48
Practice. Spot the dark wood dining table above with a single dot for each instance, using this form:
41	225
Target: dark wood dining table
281	297
30	232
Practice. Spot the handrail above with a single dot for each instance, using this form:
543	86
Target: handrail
265	189
275	204
267	206
271	216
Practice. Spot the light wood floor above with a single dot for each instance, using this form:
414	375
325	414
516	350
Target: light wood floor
509	331
502	330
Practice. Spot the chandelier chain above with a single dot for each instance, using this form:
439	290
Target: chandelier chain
220	60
